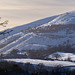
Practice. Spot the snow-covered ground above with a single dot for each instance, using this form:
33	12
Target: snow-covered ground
19	39
62	56
21	28
36	41
22	38
67	18
63	19
45	62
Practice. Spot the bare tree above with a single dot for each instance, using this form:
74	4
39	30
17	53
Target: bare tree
14	51
2	23
57	56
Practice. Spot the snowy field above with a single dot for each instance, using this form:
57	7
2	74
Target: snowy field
45	62
62	56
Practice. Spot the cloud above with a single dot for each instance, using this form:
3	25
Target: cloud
19	12
30	4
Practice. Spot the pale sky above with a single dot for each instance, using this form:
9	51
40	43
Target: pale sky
20	12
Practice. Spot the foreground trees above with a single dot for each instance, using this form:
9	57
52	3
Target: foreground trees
13	68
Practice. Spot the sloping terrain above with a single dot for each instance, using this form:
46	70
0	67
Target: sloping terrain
45	62
63	19
67	18
62	56
44	34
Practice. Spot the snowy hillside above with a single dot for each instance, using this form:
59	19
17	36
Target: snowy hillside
40	35
46	63
63	19
18	29
62	56
67	18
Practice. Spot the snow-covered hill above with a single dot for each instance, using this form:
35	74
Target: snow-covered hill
19	29
43	34
63	19
67	18
45	62
62	56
